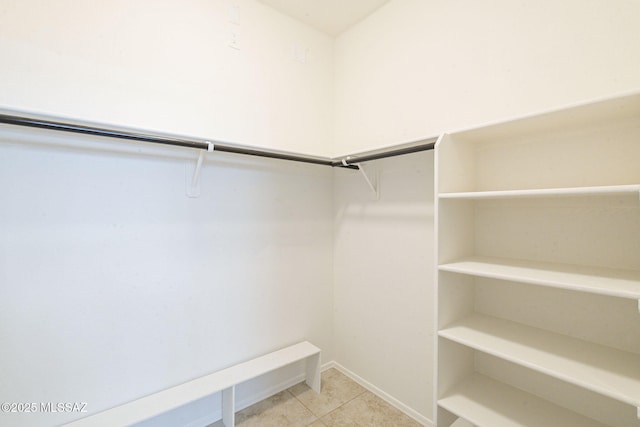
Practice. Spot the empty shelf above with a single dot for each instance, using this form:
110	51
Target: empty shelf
608	371
606	190
604	281
489	403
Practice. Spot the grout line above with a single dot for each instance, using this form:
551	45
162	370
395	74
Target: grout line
300	402
318	418
304	406
355	397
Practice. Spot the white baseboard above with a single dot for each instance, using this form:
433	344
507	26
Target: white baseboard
385	396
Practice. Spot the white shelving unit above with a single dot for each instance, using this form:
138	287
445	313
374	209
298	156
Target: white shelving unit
538	282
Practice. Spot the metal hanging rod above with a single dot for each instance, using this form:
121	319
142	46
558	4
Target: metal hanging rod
91	130
349	162
156	139
428	144
274	155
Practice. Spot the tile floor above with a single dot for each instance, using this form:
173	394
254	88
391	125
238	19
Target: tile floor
341	403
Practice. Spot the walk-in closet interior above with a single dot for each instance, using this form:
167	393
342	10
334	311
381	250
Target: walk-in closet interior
205	202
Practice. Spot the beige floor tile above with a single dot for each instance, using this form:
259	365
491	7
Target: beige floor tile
368	410
316	423
279	410
336	389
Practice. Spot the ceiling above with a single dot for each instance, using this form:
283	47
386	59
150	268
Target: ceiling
329	16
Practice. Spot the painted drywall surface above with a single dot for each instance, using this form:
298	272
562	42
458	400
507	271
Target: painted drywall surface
418	68
114	284
169	66
383	273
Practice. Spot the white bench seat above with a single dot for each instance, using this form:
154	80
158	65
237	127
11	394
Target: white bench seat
224	380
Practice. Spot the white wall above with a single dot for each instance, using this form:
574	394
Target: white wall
412	70
99	249
167	65
114	284
383	274
417	68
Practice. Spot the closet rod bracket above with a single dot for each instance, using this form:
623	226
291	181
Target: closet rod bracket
193	188
373	184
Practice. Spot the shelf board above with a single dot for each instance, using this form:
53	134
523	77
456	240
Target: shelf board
608	190
603	281
485	402
461	423
608	371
